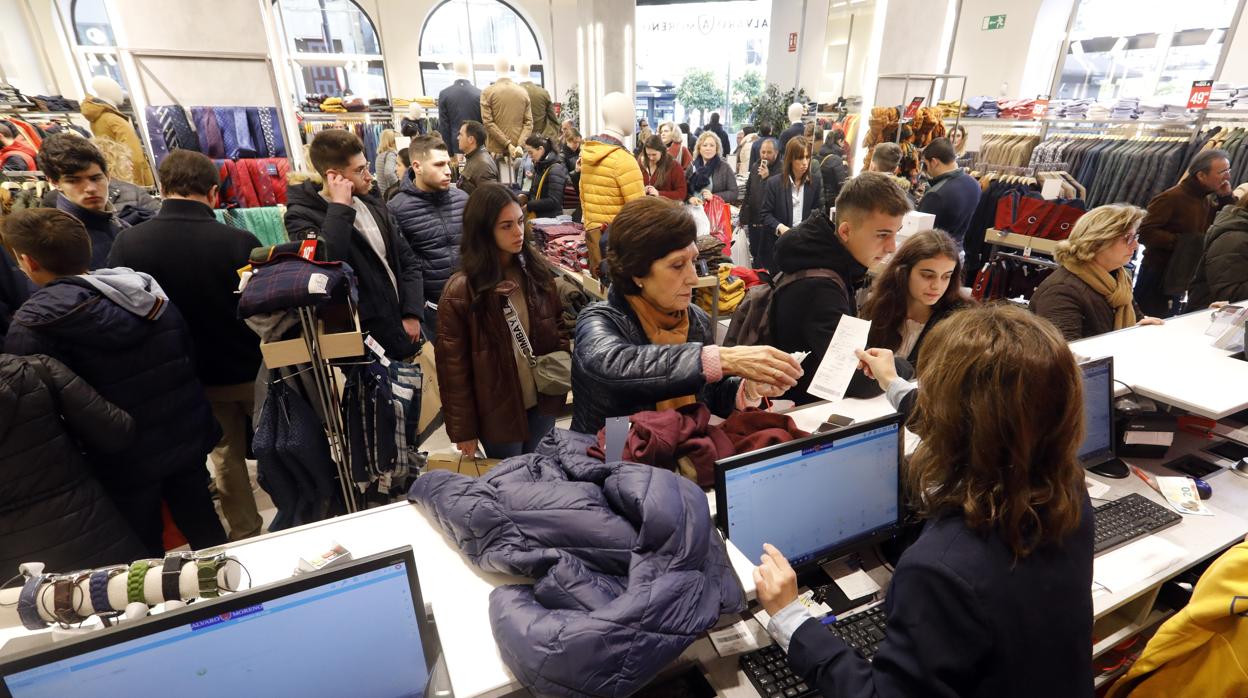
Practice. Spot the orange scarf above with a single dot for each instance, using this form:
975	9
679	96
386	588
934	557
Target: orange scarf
663	328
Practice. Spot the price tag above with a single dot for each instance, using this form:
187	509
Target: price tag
307	249
1041	107
913	109
1199	98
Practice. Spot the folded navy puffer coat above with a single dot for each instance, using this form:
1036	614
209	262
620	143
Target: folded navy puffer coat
628	569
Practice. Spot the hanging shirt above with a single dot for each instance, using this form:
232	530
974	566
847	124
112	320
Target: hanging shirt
910	332
367	226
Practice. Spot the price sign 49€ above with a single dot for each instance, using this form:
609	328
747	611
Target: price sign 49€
1199	98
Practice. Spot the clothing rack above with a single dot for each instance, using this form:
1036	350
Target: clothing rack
1046	263
326	388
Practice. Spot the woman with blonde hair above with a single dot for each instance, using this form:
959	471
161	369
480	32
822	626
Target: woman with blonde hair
1007	535
386	164
710	173
675	142
1090	293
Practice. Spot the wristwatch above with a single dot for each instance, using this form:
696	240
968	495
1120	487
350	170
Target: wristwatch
28	603
208	565
171	576
63	588
135	580
98	586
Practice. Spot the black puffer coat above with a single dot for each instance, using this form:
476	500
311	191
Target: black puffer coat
432	223
52	509
143	366
617	372
546	197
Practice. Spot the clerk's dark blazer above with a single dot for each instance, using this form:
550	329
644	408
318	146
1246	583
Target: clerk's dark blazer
777	201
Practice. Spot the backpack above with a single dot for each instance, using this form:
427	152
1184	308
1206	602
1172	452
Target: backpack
751	323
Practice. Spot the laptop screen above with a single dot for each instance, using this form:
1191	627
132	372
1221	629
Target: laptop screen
815	497
357	632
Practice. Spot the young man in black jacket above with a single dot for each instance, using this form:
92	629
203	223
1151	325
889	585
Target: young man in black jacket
953	194
195	260
80	173
806	312
359	230
117	330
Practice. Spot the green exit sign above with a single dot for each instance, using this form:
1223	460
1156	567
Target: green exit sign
993	22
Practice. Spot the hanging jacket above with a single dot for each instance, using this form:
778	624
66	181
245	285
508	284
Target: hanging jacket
381	308
506	115
545	121
457	103
1202	650
629	570
610	178
52	509
1222	272
549	178
18	156
108	122
432	223
117	330
102	226
617	372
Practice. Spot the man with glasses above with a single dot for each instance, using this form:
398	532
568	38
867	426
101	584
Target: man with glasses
1173	232
359	229
79	172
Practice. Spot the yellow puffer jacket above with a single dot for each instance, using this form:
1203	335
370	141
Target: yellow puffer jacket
107	122
610	178
1201	651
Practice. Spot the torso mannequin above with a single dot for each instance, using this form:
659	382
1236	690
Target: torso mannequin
545	122
457	103
506	114
610	175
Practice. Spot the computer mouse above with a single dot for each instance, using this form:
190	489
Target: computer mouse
1203	488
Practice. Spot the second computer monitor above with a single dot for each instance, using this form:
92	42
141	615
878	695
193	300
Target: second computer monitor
815	498
1098	412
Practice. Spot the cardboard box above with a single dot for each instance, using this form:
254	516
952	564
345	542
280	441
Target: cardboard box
915	222
338	333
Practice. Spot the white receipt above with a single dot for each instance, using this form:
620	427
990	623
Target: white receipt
1148	438
740	637
839	363
1135	562
852	579
1096	490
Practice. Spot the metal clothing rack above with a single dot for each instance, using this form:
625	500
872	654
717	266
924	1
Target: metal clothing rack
931	79
331	405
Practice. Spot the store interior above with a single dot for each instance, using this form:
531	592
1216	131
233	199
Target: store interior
405	529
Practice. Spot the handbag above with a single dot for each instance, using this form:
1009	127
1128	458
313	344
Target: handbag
552	372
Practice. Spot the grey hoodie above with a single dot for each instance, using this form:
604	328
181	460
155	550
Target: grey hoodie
133	290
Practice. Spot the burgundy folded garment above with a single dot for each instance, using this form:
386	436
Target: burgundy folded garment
662	438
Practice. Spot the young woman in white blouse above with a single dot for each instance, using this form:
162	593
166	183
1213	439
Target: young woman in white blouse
917	289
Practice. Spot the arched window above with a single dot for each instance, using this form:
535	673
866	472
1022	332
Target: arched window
334	49
480	31
94	43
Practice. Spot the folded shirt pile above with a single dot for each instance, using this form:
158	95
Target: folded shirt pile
1017	108
981	107
951	108
1125	108
1098	112
333	105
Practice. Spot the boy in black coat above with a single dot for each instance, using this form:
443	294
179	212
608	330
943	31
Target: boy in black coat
117	330
359	230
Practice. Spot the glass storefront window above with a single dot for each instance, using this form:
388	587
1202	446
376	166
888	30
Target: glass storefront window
479	31
339	28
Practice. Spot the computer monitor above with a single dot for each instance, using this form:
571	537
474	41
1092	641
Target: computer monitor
357	629
815	498
1098	452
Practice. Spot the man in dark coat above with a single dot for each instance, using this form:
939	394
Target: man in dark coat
1222	274
117	330
80	173
1173	233
195	260
358	229
953	194
806	312
718	129
52	508
430	214
832	167
457	103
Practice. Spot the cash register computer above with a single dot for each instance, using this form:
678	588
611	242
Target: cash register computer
359	629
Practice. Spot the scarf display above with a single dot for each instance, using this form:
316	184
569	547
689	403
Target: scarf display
663	328
1116	289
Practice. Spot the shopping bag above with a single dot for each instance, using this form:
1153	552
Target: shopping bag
700	219
457	463
430	399
741	249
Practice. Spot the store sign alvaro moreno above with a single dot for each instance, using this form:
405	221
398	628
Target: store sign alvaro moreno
706	24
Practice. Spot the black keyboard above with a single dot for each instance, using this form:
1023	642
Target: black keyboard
1125	519
768	668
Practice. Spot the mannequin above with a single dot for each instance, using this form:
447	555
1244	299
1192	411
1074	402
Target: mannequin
107	121
117	585
457	103
796	127
506	114
545	122
610	175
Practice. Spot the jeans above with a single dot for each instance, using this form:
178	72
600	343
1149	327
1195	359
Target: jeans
539	426
1150	291
232	405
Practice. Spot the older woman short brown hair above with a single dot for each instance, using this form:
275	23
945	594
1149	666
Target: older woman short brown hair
646	230
1097	229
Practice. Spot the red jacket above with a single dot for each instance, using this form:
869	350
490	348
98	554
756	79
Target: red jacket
673	188
10	155
680	154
